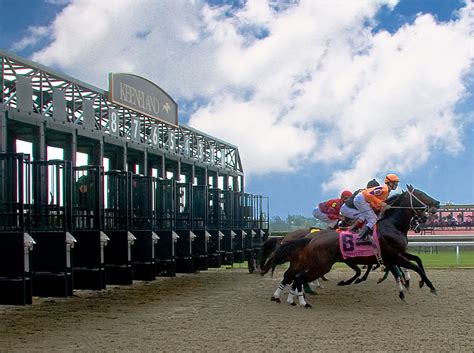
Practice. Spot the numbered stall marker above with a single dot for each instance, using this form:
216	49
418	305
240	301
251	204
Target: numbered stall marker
113	122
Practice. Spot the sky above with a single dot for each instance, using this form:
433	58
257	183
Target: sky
318	95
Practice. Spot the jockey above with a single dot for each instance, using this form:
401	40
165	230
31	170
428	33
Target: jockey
372	199
328	211
348	210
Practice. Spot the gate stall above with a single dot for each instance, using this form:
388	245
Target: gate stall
117	222
165	225
87	217
184	217
238	227
214	227
226	223
200	208
15	242
143	253
50	227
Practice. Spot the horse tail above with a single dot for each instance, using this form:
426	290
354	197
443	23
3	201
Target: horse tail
268	247
281	254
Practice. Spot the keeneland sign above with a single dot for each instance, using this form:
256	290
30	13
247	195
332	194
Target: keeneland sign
143	96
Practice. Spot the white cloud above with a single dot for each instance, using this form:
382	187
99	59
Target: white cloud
295	85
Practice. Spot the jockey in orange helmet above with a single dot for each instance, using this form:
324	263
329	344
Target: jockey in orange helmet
372	199
328	211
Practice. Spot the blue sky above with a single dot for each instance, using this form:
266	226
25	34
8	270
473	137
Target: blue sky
319	96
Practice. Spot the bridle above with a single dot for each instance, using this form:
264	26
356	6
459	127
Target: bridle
416	209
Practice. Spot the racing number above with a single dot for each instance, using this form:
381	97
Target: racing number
347	242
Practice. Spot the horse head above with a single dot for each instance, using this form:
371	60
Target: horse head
420	201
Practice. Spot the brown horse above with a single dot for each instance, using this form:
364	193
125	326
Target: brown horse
311	258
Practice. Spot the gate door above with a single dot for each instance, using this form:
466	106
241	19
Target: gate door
226	222
143	255
184	219
214	225
165	226
200	227
117	225
15	242
87	217
238	227
51	226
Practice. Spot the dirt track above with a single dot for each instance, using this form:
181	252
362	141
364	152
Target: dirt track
230	311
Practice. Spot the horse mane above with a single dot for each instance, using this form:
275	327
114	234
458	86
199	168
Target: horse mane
393	200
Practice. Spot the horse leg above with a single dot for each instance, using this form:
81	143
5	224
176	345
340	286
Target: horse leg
300	294
366	274
406	275
318	283
281	287
418	261
350	280
395	272
276	296
404	262
291	295
384	277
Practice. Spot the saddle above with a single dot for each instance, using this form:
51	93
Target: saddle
350	247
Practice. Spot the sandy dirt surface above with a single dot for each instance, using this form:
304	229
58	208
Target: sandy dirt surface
230	311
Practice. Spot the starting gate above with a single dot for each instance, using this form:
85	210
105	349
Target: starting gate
226	223
184	244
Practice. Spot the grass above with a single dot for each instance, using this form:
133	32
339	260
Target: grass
445	257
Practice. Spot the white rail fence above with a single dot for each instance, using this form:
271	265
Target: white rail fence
457	241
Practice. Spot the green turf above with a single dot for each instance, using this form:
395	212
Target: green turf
445	257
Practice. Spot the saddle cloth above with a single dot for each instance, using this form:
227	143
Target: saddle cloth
350	248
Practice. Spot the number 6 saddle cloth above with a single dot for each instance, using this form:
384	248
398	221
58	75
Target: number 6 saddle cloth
350	248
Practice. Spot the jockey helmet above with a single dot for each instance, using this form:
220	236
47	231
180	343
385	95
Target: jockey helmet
391	177
372	183
346	194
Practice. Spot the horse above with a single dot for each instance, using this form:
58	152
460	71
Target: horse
311	258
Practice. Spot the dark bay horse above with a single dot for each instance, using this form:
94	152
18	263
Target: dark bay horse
311	258
272	243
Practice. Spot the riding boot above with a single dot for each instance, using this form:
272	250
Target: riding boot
364	235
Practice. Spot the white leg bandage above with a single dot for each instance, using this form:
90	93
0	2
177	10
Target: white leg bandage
291	297
278	291
301	300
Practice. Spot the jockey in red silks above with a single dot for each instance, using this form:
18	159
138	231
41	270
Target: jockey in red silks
372	199
328	211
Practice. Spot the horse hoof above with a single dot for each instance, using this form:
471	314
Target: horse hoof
380	280
308	306
422	283
273	299
342	283
433	291
357	281
407	285
401	295
293	304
